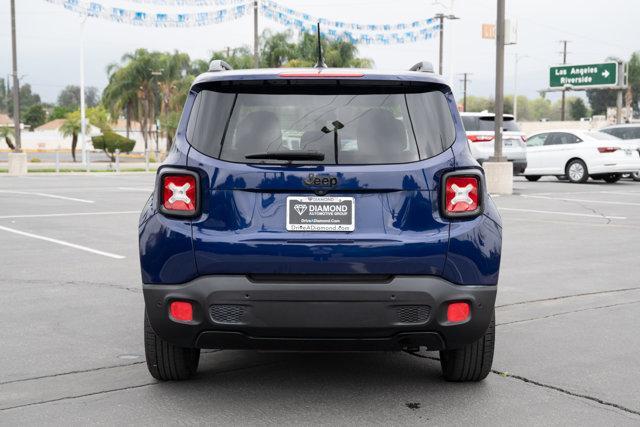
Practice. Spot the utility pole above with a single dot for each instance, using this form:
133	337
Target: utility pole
256	54
464	80
16	82
441	17
564	61
499	107
83	113
498	171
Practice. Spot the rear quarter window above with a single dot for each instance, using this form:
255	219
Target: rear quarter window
348	128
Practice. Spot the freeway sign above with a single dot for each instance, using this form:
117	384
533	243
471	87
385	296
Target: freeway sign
584	76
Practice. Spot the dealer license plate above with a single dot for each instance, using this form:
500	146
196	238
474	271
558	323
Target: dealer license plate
320	213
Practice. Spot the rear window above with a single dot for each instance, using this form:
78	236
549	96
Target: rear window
358	128
487	123
603	136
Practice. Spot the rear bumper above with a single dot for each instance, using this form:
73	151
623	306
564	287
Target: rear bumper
298	313
519	165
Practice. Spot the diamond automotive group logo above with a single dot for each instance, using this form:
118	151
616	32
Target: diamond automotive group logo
300	208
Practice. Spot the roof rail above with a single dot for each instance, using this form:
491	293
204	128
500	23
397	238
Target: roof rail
219	65
423	66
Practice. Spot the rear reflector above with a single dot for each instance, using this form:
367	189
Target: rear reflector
608	149
182	311
320	74
458	312
178	194
480	138
462	195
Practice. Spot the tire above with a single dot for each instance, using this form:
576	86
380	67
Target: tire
577	171
635	176
614	177
165	361
532	178
472	362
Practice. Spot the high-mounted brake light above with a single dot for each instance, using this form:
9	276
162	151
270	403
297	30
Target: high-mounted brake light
608	149
480	138
181	311
178	192
458	312
462	194
320	74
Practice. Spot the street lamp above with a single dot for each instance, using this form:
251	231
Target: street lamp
441	17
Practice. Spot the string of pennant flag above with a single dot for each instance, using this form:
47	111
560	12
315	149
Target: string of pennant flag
398	33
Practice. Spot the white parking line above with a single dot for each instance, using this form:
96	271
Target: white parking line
144	189
68	214
562	213
567	199
53	196
62	242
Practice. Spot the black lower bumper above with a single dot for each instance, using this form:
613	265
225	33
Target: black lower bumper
519	165
307	313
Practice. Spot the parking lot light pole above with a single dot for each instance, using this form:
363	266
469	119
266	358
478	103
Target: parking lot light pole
17	160
441	17
498	171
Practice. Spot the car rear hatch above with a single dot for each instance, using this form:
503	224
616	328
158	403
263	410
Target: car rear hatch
482	129
302	177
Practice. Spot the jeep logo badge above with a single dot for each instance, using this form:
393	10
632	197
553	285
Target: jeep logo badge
321	181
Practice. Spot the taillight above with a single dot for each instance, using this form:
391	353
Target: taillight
181	311
178	192
458	312
480	138
607	149
462	194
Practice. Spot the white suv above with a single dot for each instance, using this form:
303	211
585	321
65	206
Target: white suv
481	135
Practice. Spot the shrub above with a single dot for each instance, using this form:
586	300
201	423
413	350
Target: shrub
109	142
35	160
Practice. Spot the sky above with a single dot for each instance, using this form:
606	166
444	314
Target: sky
49	38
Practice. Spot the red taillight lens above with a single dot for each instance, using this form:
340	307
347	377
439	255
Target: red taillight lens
480	138
607	149
179	195
181	311
458	312
462	195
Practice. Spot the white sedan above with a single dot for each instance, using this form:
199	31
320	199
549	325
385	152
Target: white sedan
579	155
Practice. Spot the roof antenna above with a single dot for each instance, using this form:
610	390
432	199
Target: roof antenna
320	63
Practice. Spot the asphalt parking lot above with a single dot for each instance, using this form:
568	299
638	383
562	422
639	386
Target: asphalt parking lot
71	339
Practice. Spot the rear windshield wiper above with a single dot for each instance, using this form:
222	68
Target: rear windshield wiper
288	155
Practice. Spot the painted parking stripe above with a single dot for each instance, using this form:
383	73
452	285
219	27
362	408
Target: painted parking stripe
563	213
567	199
62	242
68	214
144	189
53	196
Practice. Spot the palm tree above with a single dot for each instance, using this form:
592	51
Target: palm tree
6	132
71	127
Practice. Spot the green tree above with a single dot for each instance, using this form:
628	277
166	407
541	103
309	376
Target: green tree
601	99
71	128
479	103
59	112
541	108
110	141
577	109
634	79
34	116
3	96
27	99
69	97
6	132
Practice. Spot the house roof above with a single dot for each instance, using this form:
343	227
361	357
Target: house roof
5	120
52	125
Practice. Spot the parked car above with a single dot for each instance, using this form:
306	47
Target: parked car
579	155
481	134
376	232
630	133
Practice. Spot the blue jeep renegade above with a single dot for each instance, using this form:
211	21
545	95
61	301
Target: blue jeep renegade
320	209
